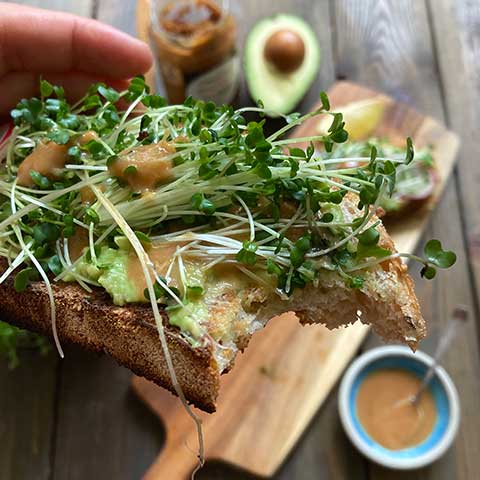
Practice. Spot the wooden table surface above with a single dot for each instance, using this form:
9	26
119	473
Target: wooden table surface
77	418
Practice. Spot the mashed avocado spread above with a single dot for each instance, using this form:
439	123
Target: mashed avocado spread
111	272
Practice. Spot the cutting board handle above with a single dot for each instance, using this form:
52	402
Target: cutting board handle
175	462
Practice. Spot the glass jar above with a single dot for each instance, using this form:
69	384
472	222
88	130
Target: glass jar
195	43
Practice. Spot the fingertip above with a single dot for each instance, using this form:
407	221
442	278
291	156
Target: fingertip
78	44
127	55
145	57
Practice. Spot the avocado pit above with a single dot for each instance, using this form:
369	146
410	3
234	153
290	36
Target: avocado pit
285	50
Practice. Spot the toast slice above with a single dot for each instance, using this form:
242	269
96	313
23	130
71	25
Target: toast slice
128	333
167	237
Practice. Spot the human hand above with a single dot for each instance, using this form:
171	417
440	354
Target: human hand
66	50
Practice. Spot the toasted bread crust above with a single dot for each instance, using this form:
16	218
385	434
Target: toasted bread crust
412	315
128	334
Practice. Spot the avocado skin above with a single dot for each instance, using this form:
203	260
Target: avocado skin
279	92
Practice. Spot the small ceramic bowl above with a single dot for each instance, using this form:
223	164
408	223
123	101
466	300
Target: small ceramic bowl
444	394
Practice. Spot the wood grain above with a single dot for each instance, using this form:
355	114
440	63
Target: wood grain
457	41
28	395
457	38
388	45
266	399
83	8
300	365
323	451
102	429
27	421
314	457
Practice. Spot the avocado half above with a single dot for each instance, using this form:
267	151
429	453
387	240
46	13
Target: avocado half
273	82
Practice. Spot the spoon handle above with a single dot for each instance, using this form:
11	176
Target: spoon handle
459	317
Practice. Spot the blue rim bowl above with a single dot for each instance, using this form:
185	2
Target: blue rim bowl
444	394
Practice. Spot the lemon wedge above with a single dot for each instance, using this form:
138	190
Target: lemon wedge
361	117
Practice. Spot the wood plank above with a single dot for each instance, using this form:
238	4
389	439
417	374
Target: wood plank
103	431
118	13
378	44
28	398
301	390
314	457
457	40
274	395
27	402
388	45
83	8
323	452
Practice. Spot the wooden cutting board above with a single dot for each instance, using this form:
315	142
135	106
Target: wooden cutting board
282	379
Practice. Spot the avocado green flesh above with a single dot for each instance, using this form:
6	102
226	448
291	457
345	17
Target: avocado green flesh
111	272
190	317
279	92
